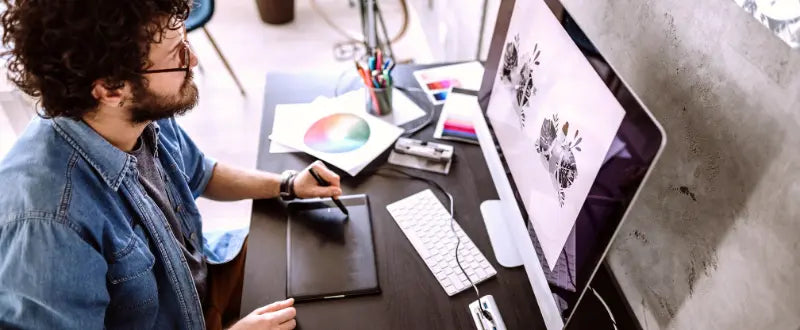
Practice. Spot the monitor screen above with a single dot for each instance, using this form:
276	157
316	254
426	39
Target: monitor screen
575	143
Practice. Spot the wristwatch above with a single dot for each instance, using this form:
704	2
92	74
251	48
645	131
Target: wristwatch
287	185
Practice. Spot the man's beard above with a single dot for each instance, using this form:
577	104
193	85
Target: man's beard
149	106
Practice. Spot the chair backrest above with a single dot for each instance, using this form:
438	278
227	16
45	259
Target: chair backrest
201	13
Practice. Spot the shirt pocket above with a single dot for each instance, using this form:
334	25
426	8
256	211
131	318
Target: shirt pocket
131	280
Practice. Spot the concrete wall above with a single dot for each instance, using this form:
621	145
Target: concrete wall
714	241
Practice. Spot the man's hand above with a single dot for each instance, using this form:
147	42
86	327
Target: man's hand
306	187
278	315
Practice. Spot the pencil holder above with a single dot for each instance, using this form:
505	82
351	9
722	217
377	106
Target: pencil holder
379	101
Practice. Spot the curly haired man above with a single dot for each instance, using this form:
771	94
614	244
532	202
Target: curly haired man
98	222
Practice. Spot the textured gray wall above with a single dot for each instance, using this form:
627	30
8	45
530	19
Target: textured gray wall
714	240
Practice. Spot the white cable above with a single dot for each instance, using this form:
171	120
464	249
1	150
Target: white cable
608	310
452	228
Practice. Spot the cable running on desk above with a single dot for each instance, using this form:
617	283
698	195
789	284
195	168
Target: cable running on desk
451	199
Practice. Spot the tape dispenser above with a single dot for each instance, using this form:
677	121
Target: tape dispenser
423	155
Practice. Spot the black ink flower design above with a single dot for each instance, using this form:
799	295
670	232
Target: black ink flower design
556	150
520	78
526	89
510	59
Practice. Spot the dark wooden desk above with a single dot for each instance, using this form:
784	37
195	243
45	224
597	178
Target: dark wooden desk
411	297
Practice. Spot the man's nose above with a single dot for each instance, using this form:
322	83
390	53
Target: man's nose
193	61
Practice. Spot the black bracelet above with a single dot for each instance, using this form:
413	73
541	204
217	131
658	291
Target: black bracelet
287	185
292	195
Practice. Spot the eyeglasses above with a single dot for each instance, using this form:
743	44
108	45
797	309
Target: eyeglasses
185	54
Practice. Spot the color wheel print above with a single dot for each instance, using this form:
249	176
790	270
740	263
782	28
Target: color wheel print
337	133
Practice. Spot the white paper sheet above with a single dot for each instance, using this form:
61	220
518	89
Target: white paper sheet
555	120
381	135
466	75
404	110
283	114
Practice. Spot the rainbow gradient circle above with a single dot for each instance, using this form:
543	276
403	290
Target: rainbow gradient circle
337	133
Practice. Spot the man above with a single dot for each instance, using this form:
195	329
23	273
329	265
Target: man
98	224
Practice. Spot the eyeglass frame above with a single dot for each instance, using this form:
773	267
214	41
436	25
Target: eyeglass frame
187	59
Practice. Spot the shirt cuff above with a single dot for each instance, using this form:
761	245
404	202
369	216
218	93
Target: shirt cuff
208	171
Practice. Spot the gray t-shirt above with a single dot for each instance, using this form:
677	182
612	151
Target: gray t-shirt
152	179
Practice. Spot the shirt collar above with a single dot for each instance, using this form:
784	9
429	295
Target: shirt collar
110	162
150	137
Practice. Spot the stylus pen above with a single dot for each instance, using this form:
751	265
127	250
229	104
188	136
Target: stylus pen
324	183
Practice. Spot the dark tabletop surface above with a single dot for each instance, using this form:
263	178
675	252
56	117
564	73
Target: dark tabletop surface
411	298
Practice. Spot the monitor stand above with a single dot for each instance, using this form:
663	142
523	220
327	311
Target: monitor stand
505	251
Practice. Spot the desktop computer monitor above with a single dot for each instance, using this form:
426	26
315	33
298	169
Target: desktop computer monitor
568	146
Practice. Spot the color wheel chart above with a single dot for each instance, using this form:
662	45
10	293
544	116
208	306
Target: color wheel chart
337	133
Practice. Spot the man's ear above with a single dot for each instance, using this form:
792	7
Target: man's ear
111	95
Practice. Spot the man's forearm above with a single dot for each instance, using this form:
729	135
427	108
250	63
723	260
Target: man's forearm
229	183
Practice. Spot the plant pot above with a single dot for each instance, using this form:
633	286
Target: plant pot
276	11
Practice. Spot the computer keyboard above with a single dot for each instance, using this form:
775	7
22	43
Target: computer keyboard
426	223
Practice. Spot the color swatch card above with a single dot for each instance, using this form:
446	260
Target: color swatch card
438	82
455	121
349	141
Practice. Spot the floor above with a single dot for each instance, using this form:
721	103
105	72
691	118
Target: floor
225	125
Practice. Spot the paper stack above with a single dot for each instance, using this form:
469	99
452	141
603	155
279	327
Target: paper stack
438	82
339	131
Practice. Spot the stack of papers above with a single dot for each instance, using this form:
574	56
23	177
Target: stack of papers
339	130
438	82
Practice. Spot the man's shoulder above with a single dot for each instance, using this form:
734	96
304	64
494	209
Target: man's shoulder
34	173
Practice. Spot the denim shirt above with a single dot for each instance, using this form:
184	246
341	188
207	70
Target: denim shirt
82	246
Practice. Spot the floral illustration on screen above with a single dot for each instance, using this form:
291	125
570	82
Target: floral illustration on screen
510	59
555	147
518	74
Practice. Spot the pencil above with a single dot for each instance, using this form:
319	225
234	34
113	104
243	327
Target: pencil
367	84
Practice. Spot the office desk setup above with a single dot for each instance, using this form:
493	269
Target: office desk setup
411	297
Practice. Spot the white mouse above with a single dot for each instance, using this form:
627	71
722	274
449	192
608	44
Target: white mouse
488	317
